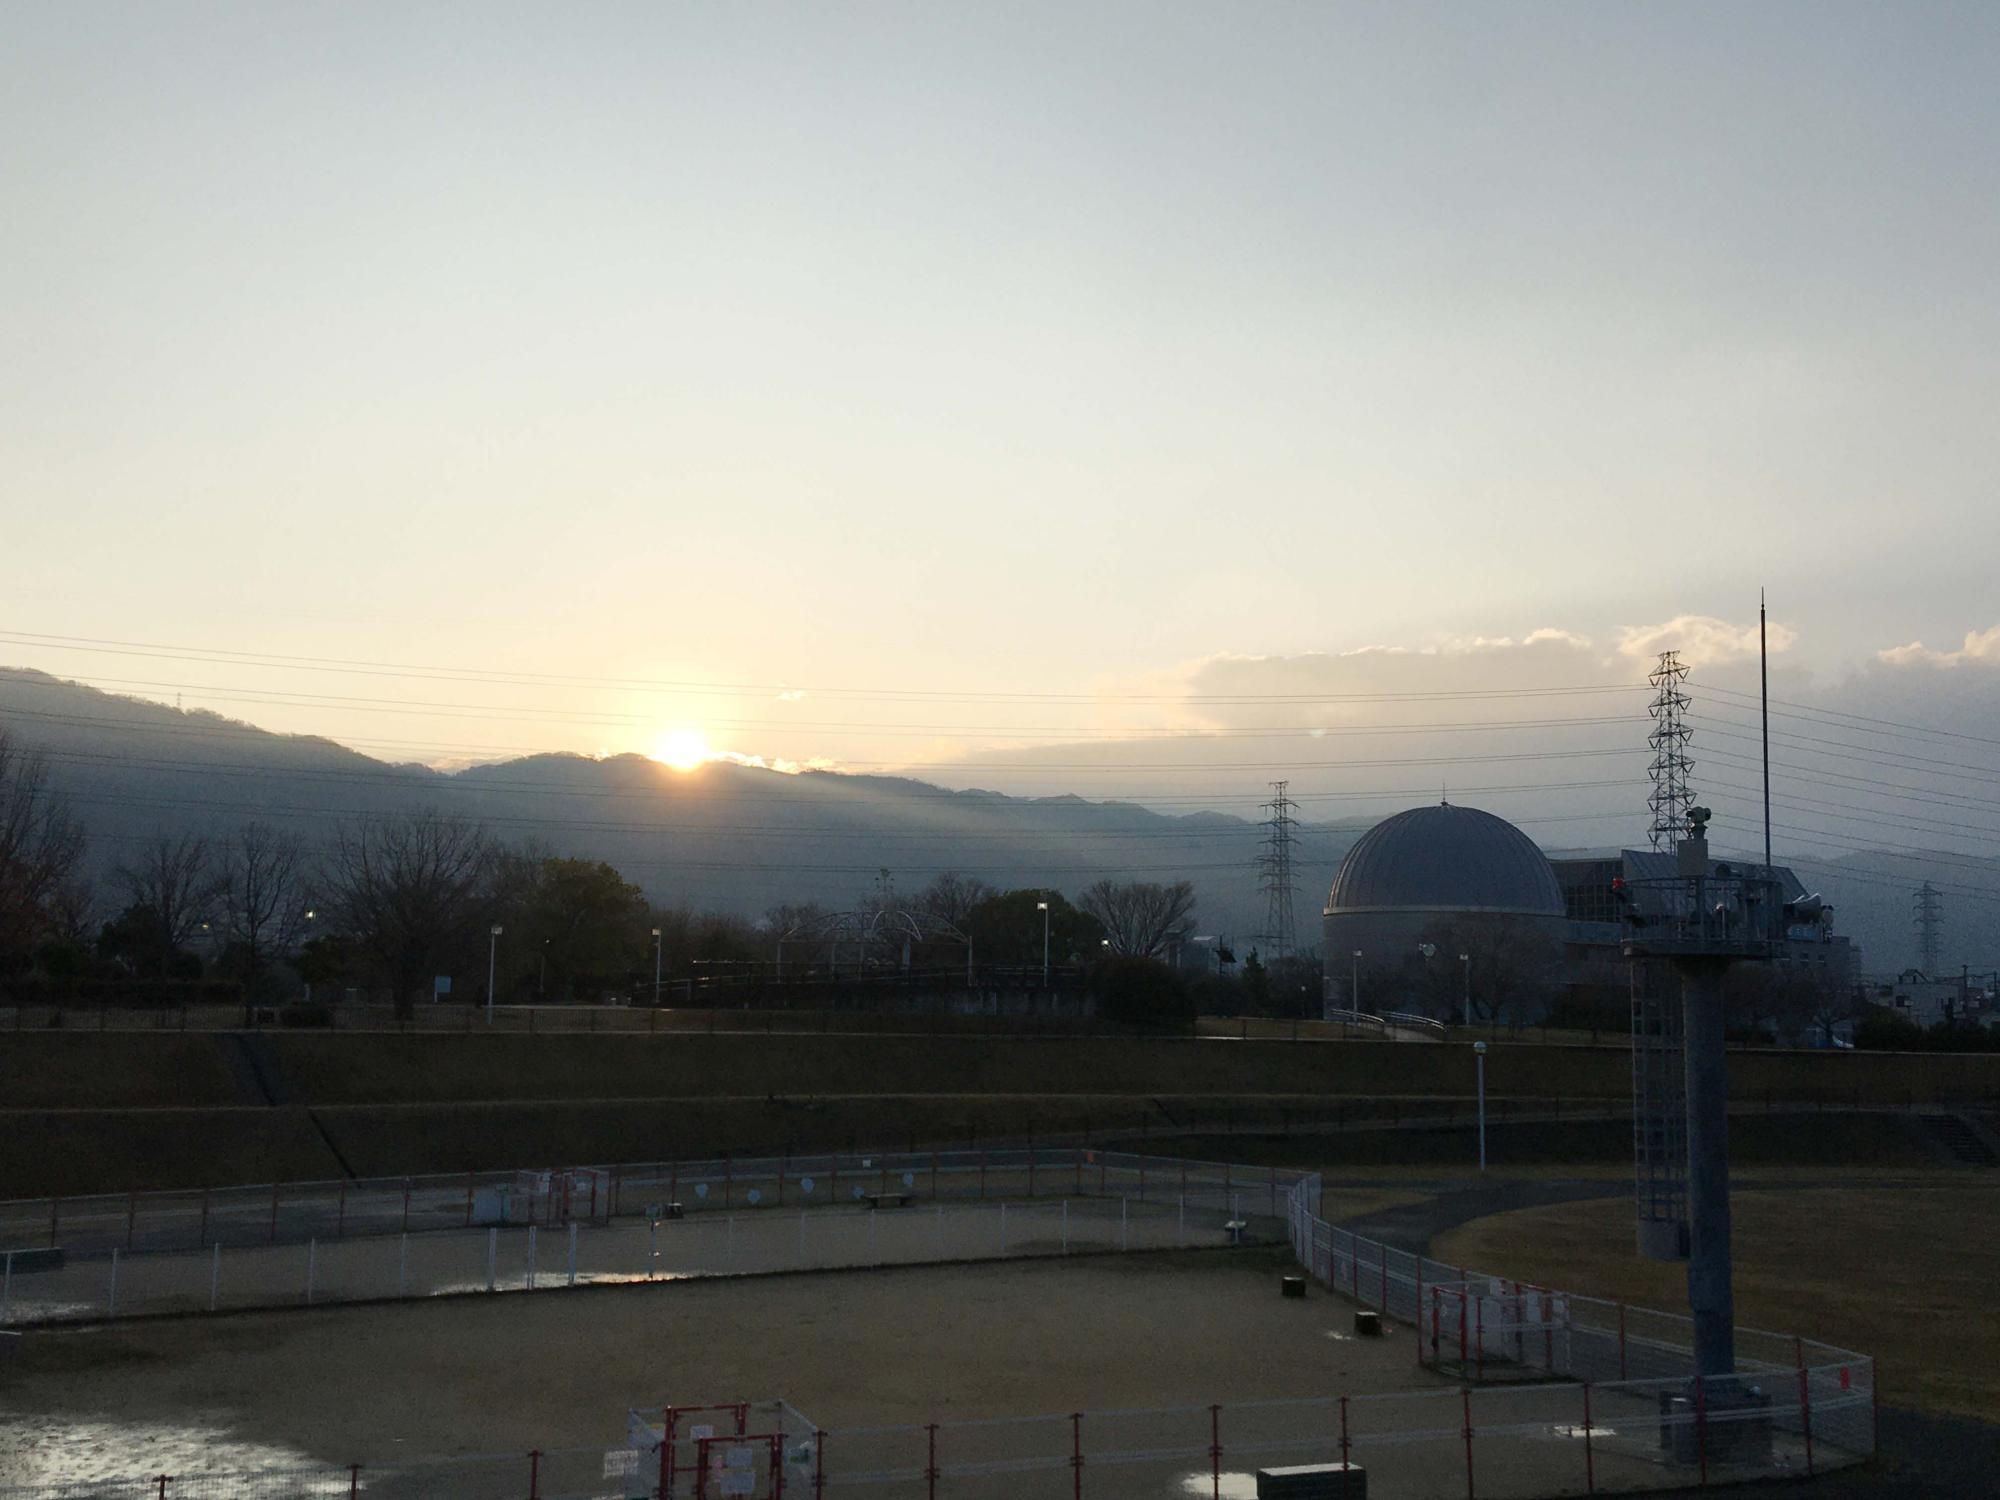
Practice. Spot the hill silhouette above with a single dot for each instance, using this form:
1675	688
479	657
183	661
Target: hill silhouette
727	836
743	838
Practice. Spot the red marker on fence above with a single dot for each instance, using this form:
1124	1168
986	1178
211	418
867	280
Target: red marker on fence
1215	1451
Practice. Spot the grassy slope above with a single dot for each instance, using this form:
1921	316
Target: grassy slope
1904	1273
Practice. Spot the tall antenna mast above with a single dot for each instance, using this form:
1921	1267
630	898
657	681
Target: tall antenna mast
1274	873
1928	912
1764	689
1671	796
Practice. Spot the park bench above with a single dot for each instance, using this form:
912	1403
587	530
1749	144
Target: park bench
894	1198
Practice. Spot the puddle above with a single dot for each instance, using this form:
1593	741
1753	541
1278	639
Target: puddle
1201	1486
58	1450
548	1281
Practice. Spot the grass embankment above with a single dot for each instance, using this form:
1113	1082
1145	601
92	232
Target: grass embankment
1902	1273
137	1069
114	1070
95	1151
1545	1148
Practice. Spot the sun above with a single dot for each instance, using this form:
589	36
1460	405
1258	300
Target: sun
682	749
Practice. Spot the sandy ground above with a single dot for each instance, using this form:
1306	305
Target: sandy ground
857	1352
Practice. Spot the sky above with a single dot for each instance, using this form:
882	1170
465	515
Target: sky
952	381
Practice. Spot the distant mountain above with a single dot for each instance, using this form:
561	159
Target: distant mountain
738	838
741	838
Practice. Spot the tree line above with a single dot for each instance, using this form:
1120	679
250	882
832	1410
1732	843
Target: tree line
394	903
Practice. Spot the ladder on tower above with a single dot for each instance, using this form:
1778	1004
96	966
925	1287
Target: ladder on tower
1659	1118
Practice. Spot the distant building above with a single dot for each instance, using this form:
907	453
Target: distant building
1205	955
1437	906
1419	891
1951	1001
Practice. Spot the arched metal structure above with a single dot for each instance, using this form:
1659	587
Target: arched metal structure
871	932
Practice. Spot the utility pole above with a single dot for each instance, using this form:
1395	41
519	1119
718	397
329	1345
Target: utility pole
492	957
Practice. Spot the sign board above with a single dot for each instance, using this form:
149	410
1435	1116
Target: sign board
739	1482
739	1456
441	984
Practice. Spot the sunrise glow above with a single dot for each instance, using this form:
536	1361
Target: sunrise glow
682	749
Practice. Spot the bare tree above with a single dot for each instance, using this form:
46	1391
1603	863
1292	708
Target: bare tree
1509	965
174	883
410	893
262	899
1142	919
40	849
950	898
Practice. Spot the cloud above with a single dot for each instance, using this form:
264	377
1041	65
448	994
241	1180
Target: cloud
1981	647
1702	640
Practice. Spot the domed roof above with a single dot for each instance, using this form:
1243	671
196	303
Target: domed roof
1446	858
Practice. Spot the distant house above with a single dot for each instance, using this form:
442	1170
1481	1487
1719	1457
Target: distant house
1951	1001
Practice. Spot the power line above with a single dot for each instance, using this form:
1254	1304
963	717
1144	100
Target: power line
1840	719
268	660
421	708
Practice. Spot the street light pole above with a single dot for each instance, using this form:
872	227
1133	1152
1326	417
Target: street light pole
656	968
1479	1062
1354	984
1043	908
492	956
1465	1010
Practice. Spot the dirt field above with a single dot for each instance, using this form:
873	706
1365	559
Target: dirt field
1141	1345
1904	1273
479	1374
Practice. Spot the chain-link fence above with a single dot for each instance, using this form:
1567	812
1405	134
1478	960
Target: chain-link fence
667	1220
1524	1390
293	1213
1509	1442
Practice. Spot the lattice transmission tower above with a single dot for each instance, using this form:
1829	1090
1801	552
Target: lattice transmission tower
1672	795
1274	873
1659	1068
1927	911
